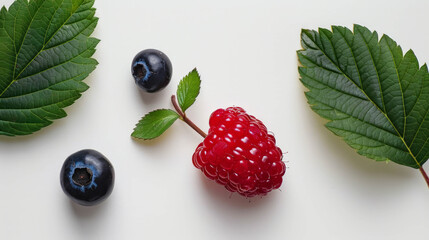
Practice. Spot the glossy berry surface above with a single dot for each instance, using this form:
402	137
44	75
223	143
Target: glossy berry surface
87	177
152	70
240	154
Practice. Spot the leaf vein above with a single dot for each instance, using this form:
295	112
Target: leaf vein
355	63
420	125
376	71
400	87
374	139
50	22
41	50
23	40
48	87
336	89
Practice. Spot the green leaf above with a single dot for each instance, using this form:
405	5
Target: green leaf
373	96
155	123
45	53
188	89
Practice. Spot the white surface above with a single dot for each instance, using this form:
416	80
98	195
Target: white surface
245	52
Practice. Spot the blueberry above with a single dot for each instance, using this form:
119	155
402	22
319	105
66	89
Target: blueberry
87	177
151	70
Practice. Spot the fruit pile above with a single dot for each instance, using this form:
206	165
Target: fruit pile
237	153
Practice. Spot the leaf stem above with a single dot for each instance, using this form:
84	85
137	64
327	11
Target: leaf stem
186	119
425	176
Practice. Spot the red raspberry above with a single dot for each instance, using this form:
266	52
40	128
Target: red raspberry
239	154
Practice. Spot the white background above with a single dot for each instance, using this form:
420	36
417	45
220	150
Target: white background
245	52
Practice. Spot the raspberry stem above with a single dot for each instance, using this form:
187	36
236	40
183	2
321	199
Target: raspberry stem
425	176
184	118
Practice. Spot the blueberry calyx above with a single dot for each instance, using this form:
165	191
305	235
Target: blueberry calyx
82	176
141	70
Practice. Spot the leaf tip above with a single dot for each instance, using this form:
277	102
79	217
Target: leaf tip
305	31
188	89
424	67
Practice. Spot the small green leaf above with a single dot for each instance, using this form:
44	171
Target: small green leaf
155	123
188	89
45	53
374	97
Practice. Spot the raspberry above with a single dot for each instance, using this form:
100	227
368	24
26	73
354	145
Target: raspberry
240	154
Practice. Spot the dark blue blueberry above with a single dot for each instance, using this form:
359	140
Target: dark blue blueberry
151	70
87	177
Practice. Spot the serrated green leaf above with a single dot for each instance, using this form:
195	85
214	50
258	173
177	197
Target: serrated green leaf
155	123
45	53
188	89
375	98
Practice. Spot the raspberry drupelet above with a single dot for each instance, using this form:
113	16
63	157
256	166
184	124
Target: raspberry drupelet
240	154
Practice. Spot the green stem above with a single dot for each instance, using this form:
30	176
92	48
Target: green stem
186	119
425	176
